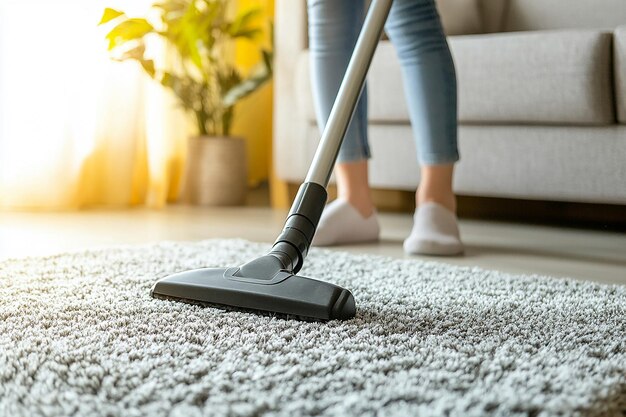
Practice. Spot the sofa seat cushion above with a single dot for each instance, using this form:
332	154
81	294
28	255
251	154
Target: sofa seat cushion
548	77
556	163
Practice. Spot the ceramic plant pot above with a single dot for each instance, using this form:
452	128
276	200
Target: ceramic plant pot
216	172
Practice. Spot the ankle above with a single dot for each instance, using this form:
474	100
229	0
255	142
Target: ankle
353	186
361	202
448	200
436	186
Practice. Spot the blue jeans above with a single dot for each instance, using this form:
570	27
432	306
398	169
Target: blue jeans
427	67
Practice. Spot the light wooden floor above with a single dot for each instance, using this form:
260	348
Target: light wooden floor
518	248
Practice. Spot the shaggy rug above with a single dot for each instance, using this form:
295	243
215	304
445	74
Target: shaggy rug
79	335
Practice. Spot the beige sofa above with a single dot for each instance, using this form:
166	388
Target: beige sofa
542	100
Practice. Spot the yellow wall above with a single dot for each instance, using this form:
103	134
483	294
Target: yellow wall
253	118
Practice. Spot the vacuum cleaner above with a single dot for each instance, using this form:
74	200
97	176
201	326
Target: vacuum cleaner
270	283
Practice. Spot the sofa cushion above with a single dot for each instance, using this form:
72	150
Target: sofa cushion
563	14
550	77
385	89
619	46
558	163
561	77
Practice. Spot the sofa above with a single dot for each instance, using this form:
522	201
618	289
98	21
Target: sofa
542	101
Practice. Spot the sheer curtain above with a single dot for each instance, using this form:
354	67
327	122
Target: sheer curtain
76	129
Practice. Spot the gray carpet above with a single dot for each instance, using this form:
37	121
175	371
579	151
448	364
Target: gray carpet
79	335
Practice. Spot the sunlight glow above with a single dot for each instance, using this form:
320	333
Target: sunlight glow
48	85
62	99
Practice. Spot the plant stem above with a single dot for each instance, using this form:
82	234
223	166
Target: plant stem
227	119
201	122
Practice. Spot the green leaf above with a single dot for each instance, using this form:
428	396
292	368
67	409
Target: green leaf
135	52
192	46
259	76
247	33
167	79
148	66
245	88
228	79
130	29
171	12
187	90
209	19
240	23
110	14
268	60
171	6
186	37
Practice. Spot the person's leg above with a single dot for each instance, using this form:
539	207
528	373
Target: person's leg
353	186
430	84
334	26
436	186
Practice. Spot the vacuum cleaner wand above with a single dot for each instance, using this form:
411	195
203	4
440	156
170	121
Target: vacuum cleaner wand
270	283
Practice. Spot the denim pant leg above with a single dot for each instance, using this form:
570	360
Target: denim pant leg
415	29
334	27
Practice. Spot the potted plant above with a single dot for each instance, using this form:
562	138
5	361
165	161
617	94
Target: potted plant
198	35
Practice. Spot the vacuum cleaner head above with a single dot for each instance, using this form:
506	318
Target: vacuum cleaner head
282	292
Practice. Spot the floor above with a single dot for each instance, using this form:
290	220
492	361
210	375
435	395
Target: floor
518	248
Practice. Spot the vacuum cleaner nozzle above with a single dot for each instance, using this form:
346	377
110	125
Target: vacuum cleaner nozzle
283	292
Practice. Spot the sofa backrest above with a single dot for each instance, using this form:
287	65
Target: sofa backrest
461	17
526	15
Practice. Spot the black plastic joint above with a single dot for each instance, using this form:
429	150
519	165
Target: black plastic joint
310	202
288	255
301	223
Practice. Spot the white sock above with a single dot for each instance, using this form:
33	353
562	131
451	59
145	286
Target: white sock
341	224
435	232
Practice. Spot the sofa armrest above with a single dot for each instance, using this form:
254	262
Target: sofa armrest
291	26
619	59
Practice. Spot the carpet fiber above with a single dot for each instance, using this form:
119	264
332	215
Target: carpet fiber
79	335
